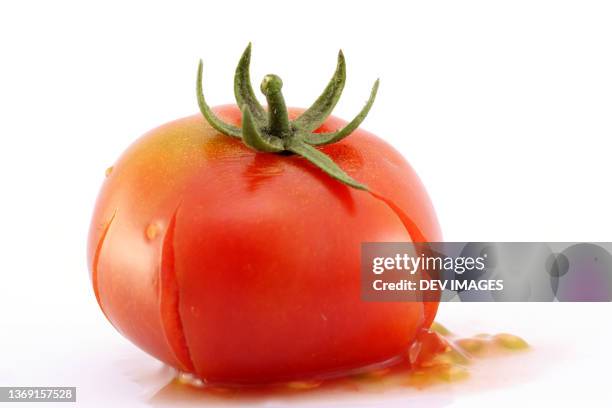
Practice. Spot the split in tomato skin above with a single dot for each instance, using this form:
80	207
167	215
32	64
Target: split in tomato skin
243	267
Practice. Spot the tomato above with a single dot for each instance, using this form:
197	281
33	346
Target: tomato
243	267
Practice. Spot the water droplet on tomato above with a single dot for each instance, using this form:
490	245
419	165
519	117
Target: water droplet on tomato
152	231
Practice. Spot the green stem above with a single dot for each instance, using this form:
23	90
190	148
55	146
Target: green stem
278	117
273	132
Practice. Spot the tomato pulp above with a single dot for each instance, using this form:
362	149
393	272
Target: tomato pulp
244	267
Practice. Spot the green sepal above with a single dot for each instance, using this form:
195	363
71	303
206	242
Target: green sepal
314	116
214	121
252	137
322	161
243	91
318	139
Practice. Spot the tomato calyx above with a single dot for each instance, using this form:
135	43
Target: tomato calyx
271	131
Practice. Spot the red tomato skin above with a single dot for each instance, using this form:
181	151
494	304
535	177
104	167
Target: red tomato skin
243	267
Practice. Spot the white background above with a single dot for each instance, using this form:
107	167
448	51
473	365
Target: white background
503	108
